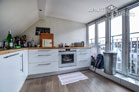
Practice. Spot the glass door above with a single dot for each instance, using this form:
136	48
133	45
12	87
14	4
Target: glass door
134	42
91	33
101	36
67	58
116	40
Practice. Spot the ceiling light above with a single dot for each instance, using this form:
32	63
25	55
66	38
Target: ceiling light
111	11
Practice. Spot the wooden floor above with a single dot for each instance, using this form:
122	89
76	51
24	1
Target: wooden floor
95	83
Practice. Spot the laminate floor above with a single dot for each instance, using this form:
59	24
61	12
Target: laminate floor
95	83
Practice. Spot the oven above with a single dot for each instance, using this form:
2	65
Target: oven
67	57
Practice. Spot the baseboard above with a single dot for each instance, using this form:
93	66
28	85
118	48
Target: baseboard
55	73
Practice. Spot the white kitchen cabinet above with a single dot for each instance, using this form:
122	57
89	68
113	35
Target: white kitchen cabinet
25	62
43	61
10	72
47	60
15	67
83	58
13	71
43	55
43	67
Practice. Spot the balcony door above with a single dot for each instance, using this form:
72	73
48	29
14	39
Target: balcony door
116	40
134	42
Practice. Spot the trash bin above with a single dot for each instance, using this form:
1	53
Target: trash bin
110	59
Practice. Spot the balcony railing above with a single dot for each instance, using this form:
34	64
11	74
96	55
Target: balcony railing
116	44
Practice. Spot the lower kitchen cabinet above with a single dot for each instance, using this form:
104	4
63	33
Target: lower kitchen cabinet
43	67
25	62
16	66
43	55
83	58
43	61
46	61
12	71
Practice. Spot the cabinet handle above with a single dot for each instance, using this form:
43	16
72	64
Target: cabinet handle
44	64
83	60
11	55
44	55
43	50
22	69
83	53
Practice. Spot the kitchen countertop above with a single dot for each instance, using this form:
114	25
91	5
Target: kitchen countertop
5	51
57	47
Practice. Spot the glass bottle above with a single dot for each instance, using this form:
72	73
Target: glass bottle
9	40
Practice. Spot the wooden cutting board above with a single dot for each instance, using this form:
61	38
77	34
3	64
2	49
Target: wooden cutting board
46	36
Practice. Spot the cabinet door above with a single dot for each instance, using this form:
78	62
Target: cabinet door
25	63
43	61
43	67
10	73
83	58
41	55
23	59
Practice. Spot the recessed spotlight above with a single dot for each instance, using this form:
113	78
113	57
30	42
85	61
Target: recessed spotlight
40	9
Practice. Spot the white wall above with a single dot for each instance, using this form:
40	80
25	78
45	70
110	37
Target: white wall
64	31
17	15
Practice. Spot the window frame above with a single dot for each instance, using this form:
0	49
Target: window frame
88	33
125	36
121	72
130	75
99	22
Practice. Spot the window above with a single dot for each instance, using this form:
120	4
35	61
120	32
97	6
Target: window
116	40
130	64
91	35
134	42
101	36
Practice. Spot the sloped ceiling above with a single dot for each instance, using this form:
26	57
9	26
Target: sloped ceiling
17	16
77	10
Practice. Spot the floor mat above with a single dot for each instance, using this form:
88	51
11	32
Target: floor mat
71	77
